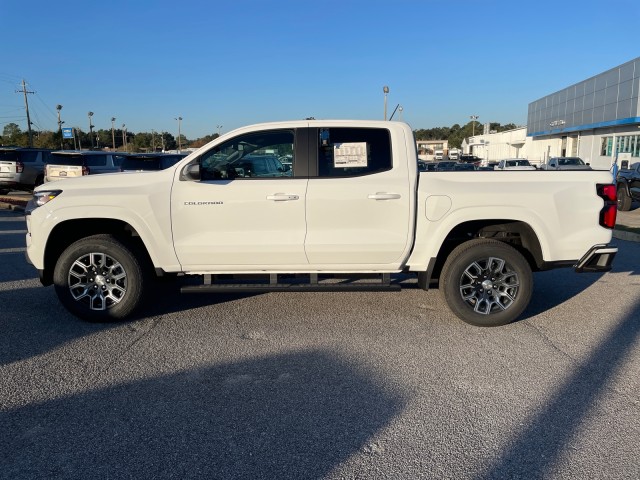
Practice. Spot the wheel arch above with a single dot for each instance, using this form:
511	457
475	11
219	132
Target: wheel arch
69	231
518	234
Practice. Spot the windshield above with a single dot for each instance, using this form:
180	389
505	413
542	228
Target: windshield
9	156
73	160
570	161
518	163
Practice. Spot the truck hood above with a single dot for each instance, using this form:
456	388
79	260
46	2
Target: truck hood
109	181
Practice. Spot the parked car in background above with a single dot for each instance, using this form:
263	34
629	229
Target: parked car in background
445	166
426	166
140	162
464	166
628	183
468	158
22	168
72	163
565	163
514	164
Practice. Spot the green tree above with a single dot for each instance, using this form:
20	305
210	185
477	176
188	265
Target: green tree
456	134
199	142
13	135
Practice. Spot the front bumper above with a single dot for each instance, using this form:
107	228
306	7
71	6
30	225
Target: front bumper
598	259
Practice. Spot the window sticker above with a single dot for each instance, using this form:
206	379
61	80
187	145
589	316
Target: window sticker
350	154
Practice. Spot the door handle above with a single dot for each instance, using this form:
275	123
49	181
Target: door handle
383	196
282	197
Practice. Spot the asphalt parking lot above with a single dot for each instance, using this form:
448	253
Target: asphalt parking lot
321	385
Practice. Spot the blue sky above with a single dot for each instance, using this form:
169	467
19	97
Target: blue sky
238	62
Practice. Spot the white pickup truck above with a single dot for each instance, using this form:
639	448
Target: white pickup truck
352	205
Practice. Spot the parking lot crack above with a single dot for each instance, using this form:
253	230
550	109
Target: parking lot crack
547	340
130	346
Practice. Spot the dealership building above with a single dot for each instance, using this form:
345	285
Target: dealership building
597	119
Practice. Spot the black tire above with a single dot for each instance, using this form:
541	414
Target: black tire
39	181
99	279
624	200
486	282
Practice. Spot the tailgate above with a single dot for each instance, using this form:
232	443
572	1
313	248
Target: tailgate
64	171
7	169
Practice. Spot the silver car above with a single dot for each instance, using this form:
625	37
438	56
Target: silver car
22	168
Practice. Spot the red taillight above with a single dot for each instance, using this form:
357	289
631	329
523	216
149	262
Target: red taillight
19	167
85	171
609	211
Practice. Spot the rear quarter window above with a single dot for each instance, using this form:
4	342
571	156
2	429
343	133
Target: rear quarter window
9	156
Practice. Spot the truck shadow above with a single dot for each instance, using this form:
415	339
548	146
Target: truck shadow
554	287
547	439
294	415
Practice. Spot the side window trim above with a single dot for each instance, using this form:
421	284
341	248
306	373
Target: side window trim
306	153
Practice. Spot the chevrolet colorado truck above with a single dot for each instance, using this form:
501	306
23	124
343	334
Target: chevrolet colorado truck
351	213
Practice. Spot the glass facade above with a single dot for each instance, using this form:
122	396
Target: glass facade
608	99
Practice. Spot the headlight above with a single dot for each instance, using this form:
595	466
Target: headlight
40	198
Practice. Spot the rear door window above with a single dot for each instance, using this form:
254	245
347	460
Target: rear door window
346	152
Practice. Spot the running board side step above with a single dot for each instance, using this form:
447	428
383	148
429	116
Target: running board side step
311	285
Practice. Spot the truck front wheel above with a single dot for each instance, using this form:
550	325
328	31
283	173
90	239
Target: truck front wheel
486	282
99	279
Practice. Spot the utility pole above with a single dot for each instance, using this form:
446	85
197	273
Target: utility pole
26	104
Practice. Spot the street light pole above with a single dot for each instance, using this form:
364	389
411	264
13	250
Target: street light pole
219	127
124	137
90	114
385	90
113	132
179	119
60	122
473	125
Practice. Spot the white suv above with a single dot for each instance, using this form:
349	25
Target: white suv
70	164
514	164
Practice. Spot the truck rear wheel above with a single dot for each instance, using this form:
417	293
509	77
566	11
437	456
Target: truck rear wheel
99	279
624	200
486	282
